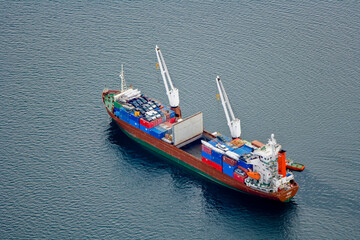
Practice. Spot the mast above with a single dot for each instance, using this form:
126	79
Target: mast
122	77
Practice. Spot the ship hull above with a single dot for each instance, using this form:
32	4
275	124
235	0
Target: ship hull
189	161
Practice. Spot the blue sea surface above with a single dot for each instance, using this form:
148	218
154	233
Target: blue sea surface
291	68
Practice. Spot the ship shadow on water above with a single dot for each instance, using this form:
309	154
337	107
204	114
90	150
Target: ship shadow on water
216	198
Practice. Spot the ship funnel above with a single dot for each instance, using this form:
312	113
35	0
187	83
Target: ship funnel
282	163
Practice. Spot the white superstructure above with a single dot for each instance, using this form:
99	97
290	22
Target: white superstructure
265	162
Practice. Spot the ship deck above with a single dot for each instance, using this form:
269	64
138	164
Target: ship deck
194	148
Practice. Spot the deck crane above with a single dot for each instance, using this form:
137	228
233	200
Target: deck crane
172	93
234	123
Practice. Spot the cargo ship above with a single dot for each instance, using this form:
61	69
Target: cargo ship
249	167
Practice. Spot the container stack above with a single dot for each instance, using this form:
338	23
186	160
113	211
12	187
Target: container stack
229	165
216	154
211	157
240	175
144	113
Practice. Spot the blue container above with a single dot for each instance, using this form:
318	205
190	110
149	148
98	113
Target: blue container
158	132
132	117
216	154
240	151
216	160
116	109
145	129
230	148
172	114
124	115
228	169
213	143
134	123
205	155
247	149
216	157
244	164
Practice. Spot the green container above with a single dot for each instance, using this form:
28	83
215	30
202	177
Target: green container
117	105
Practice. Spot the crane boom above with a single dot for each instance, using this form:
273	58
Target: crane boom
172	93
233	123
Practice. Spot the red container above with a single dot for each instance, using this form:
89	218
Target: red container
239	177
172	120
211	163
206	149
217	166
230	161
205	160
146	123
244	170
156	122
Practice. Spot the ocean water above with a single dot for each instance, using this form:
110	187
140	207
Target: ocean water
290	68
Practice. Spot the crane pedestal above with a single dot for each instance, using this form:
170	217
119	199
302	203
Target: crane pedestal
177	111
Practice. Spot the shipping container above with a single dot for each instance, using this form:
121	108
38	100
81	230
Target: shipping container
158	121
172	114
258	144
207	161
242	169
217	166
147	124
117	105
230	161
245	165
213	142
134	118
158	132
206	155
240	151
172	120
205	149
124	115
216	157
145	129
134	123
237	142
240	175
247	149
228	169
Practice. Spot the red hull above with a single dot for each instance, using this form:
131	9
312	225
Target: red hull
194	162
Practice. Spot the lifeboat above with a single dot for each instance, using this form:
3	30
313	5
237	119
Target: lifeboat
254	175
294	166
